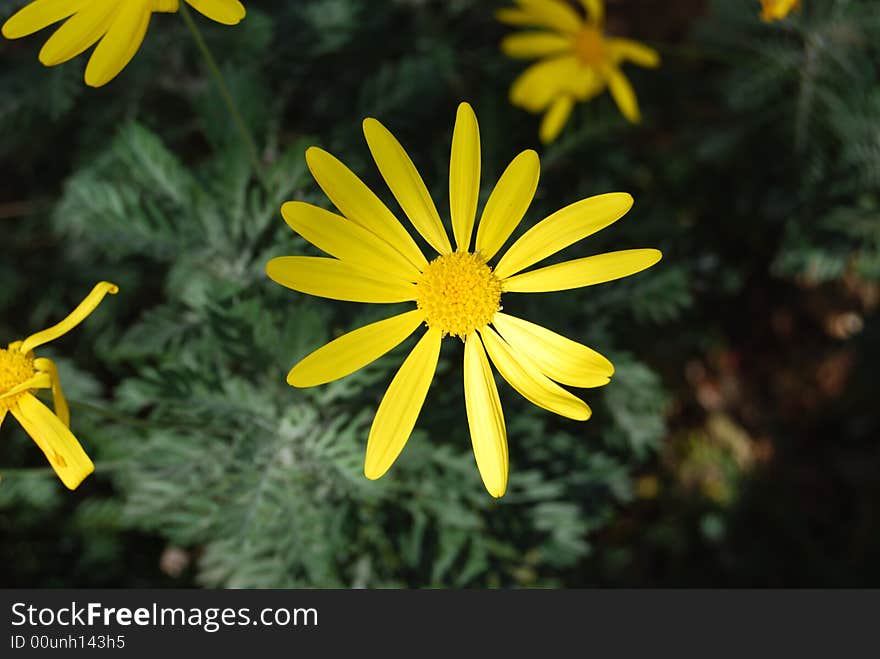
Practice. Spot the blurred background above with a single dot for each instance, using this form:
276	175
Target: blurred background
737	444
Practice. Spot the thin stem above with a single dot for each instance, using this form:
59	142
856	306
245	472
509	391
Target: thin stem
234	112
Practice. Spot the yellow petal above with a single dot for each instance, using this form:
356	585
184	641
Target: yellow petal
533	44
400	407
228	12
2	417
346	240
360	205
543	81
553	13
559	358
485	417
516	17
36	381
124	36
406	185
583	272
524	376
82	311
38	15
79	33
623	94
56	441
464	176
632	51
555	118
563	228
338	280
595	11
354	350
508	203
59	402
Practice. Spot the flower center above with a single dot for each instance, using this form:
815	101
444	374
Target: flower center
15	368
458	293
589	46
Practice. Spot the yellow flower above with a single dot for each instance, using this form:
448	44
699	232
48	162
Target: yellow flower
21	374
456	293
776	10
577	60
117	26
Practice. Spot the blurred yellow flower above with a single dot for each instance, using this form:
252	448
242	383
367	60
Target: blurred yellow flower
776	10
577	60
117	26
21	374
456	293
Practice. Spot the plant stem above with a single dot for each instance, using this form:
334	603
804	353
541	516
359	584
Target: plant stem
234	112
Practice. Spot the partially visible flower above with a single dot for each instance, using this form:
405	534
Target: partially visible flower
117	26
21	374
577	60
455	291
776	10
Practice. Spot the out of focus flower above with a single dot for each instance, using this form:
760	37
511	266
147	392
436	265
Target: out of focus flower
577	60
21	374
456	293
776	10
117	26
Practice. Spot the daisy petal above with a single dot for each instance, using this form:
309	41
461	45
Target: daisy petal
559	358
555	118
543	81
360	205
464	175
524	376
82	311
352	351
563	228
79	33
56	441
485	417
338	280
553	13
517	17
228	12
38	15
406	185
508	203
59	402
623	94
400	407
595	11
346	240
124	36
583	272
633	51
529	45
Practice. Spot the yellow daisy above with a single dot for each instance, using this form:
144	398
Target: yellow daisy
21	374
577	60
457	293
776	10
117	26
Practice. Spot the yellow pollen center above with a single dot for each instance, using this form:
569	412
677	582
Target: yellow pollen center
15	368
589	46
458	293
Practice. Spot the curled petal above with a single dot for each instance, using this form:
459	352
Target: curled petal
82	311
